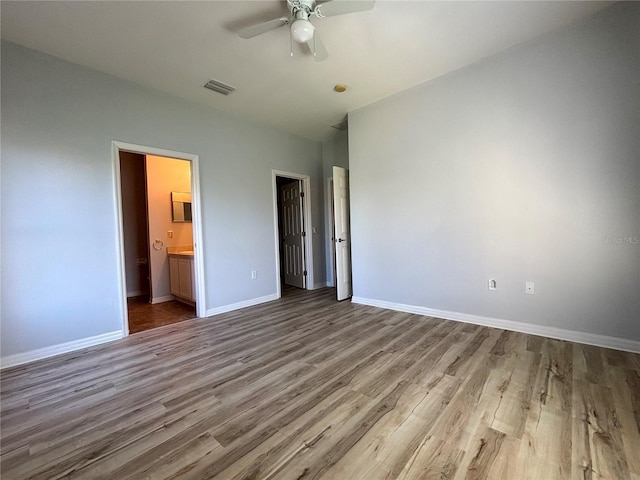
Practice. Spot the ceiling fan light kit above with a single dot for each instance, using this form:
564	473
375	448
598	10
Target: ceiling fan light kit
302	30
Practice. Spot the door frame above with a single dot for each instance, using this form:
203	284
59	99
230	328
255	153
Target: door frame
308	228
116	148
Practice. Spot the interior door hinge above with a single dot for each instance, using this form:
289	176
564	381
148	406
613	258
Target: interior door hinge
302	194
304	273
304	234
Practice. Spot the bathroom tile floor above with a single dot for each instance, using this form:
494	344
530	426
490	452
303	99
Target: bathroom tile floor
144	316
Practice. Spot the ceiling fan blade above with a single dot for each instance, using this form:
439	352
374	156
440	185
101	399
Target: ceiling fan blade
340	7
317	48
260	28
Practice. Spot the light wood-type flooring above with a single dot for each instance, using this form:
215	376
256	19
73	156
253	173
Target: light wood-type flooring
308	388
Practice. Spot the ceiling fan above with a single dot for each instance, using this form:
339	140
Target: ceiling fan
302	30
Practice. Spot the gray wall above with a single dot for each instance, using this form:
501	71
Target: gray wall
59	258
523	166
134	221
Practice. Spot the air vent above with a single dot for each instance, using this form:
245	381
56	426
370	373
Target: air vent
342	126
219	87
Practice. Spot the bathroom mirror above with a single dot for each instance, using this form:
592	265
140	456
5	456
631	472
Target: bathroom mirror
181	207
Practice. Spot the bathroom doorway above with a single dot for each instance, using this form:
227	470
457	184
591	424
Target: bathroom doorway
149	183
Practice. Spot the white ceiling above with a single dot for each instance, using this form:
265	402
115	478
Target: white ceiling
177	46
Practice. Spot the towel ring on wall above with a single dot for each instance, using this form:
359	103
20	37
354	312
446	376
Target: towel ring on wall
158	244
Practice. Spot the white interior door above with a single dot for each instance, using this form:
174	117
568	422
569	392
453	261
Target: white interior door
342	233
292	232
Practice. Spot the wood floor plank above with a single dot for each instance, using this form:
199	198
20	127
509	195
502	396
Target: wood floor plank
275	454
315	468
555	379
261	432
546	445
309	388
511	386
431	458
625	388
484	453
599	451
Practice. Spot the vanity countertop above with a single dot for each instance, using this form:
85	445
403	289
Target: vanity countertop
185	251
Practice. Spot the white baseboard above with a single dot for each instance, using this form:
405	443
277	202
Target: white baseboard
542	330
237	306
166	298
33	355
318	285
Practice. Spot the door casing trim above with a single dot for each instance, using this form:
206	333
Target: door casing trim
196	205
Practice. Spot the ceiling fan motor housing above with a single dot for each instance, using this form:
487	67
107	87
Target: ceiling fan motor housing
306	6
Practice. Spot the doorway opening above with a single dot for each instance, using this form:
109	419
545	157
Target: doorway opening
158	207
293	231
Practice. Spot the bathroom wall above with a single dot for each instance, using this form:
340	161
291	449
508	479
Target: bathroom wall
165	175
134	219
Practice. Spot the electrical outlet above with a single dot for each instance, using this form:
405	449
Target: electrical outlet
254	274
492	284
529	288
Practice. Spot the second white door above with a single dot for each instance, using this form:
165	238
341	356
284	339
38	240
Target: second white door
342	234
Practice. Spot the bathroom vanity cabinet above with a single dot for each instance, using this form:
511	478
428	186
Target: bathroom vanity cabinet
181	272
